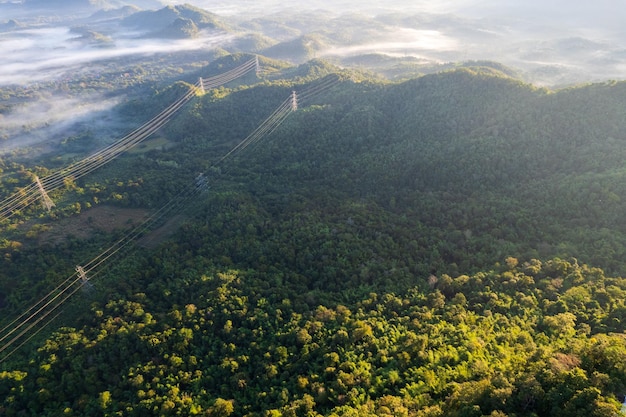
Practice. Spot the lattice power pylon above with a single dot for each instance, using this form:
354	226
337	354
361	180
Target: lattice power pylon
201	82
45	199
294	101
81	274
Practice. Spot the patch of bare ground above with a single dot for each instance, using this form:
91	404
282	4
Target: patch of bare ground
91	221
107	219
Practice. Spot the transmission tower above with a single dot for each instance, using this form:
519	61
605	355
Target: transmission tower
294	101
47	201
201	82
82	274
84	281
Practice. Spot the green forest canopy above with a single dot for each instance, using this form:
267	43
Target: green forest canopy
421	248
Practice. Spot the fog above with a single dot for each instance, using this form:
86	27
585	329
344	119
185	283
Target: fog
550	43
41	60
527	35
399	41
49	120
560	14
555	44
36	55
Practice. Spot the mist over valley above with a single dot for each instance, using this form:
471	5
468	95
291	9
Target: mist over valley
47	46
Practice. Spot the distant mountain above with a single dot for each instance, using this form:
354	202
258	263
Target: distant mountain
10	25
492	67
300	49
157	21
180	28
200	17
252	43
118	13
91	37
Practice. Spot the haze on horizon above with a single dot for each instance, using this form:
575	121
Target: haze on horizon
554	44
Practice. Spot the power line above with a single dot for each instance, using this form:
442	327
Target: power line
39	188
40	311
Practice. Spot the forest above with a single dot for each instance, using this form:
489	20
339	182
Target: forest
447	245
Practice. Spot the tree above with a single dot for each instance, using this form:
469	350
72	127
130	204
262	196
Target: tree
221	408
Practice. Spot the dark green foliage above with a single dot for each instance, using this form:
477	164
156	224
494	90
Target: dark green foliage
250	342
180	28
359	261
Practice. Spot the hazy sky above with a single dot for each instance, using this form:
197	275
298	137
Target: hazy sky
559	12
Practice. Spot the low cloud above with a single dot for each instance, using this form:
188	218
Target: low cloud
531	36
47	120
36	55
401	41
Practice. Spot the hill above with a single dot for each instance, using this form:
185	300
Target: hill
300	49
446	245
117	13
174	19
180	28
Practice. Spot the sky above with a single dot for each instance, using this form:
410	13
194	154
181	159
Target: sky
559	13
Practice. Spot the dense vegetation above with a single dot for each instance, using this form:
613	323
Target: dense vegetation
530	339
412	249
